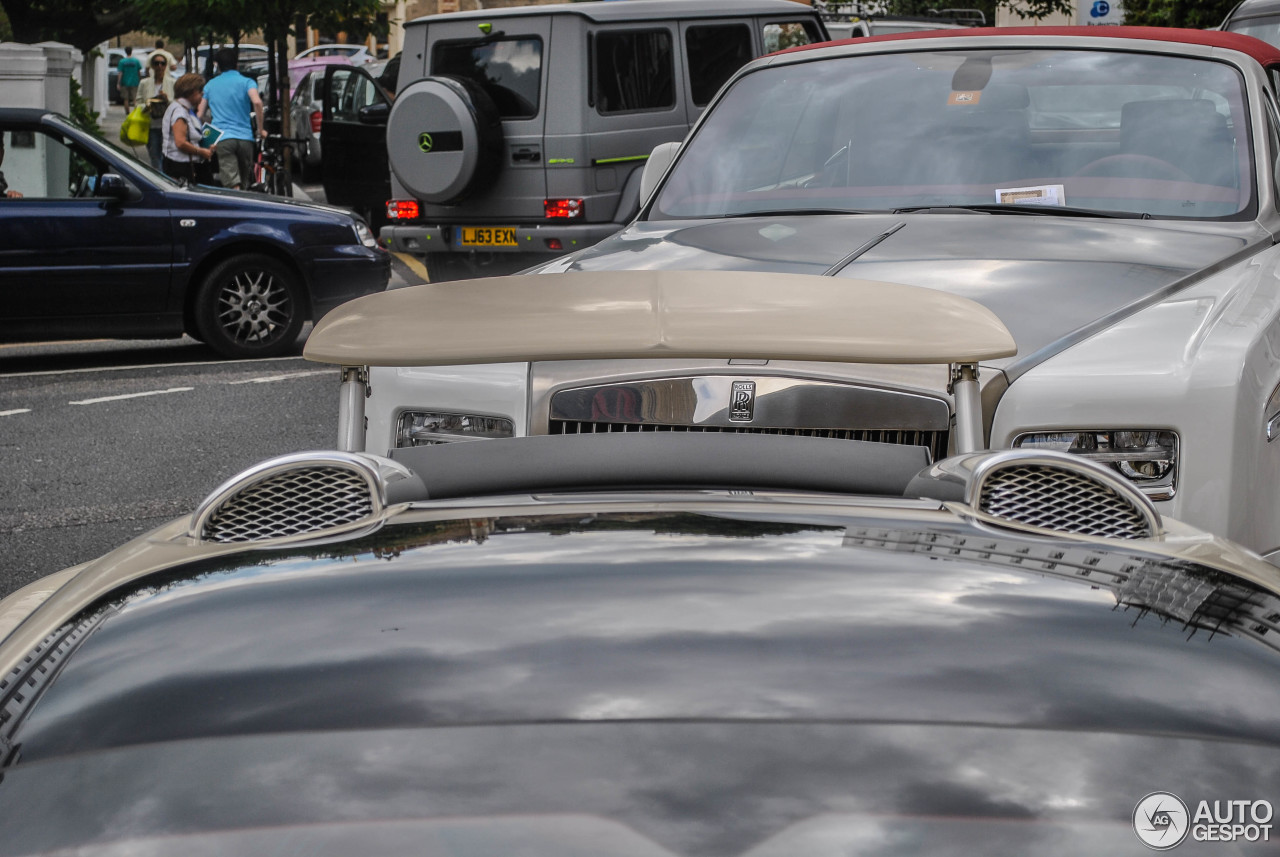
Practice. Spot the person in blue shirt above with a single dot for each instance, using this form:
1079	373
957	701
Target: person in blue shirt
229	100
128	76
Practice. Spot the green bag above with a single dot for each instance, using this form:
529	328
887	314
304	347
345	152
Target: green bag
136	127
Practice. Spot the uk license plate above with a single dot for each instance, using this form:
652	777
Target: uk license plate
487	236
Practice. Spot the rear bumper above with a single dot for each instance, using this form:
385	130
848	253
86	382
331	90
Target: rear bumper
421	239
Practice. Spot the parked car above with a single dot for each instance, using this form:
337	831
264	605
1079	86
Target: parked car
879	26
100	245
1257	18
535	120
305	108
113	58
1109	195
354	54
650	644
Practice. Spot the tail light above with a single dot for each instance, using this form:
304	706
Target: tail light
563	208
402	209
316	116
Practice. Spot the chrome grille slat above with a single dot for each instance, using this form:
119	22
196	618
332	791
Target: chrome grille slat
291	503
1057	498
934	441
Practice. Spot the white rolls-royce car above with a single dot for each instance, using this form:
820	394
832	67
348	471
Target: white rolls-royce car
1109	194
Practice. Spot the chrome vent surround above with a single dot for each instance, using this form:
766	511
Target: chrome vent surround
1054	493
296	495
934	441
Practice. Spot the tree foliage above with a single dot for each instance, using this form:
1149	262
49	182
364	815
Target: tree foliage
82	23
1028	9
1196	14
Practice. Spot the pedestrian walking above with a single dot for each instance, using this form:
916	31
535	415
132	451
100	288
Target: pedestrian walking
128	76
169	57
184	156
156	92
229	99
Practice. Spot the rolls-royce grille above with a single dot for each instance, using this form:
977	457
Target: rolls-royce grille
291	503
934	441
1056	498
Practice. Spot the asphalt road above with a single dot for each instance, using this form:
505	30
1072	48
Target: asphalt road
101	441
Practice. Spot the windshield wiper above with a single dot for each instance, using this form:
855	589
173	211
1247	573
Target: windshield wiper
1007	208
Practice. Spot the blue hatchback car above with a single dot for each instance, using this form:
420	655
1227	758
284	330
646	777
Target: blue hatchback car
96	244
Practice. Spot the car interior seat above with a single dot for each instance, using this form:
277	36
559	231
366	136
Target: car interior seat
945	138
1189	133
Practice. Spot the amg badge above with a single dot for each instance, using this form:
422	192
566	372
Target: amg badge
742	401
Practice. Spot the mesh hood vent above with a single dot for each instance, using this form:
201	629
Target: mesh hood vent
1062	499
291	496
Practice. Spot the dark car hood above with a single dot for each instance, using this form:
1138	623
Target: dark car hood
628	789
1045	277
707	681
240	201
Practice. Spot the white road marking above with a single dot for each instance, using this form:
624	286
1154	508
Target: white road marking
14	412
133	396
267	379
227	363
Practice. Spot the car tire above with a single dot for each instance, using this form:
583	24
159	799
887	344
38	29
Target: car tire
444	139
250	306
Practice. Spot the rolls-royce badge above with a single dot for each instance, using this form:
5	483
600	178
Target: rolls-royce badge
742	401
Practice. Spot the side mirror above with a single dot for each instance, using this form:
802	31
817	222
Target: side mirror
113	186
654	169
374	114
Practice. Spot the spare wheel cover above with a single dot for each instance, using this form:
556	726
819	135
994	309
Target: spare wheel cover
441	141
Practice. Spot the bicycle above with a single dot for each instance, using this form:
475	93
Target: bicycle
271	173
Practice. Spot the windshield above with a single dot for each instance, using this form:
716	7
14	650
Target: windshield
1107	131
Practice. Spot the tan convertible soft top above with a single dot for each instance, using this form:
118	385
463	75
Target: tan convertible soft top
645	314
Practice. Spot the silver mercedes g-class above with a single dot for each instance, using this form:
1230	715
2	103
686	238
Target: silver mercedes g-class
518	135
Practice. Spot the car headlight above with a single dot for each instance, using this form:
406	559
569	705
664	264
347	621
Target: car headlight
365	235
416	428
1146	457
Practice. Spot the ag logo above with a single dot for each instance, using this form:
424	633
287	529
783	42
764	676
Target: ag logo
1161	821
425	142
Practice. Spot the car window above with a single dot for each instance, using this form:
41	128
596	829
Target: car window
356	91
41	165
634	71
1135	134
777	36
1266	28
302	92
715	52
509	70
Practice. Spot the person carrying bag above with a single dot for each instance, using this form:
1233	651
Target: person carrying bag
184	158
156	92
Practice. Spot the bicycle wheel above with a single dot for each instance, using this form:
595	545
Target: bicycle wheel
284	179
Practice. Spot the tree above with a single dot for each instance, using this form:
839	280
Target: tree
1177	13
81	23
1026	9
